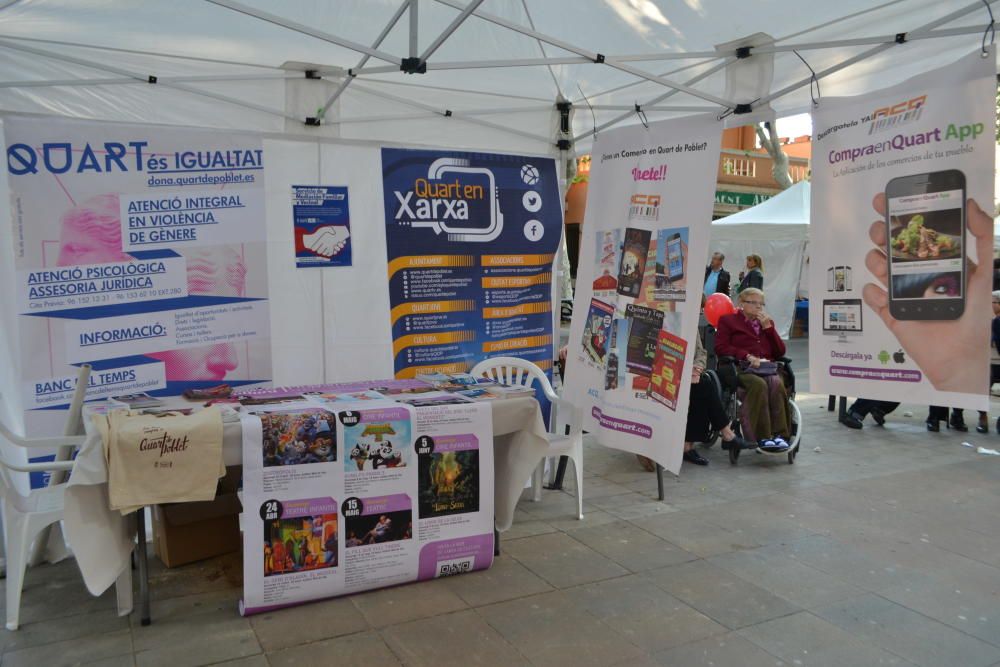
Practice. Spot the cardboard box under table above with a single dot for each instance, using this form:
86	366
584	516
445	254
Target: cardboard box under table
187	532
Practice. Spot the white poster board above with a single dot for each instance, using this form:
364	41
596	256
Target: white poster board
140	250
902	238
639	283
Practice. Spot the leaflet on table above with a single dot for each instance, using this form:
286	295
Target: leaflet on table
907	175
339	501
140	250
322	223
470	240
630	350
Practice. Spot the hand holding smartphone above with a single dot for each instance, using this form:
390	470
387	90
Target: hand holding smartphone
937	339
925	245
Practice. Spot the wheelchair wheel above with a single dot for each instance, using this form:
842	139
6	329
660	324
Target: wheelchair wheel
791	455
713	435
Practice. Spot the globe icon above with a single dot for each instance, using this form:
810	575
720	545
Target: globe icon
529	174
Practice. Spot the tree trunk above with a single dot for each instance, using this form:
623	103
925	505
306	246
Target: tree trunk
779	160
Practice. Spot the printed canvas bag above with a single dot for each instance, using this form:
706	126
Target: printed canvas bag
163	458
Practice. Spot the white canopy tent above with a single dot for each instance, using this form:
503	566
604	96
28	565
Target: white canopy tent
778	230
316	77
483	73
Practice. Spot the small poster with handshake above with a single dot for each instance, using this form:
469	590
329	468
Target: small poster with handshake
322	225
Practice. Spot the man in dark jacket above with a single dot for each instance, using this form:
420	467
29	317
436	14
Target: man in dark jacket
716	277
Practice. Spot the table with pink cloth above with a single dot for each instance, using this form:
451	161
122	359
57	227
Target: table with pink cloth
102	539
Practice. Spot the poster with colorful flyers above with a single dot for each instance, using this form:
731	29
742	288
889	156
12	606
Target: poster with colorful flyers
404	493
649	206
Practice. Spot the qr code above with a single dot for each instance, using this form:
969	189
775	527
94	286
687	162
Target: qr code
446	568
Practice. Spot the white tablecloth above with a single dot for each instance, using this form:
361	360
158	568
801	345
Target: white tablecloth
102	539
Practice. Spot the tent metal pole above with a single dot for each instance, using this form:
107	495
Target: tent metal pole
454	114
8	3
483	64
595	57
656	100
803	46
306	30
541	48
377	43
474	112
616	89
459	20
464	91
131	80
156	54
414	32
651	107
862	41
144	78
916	32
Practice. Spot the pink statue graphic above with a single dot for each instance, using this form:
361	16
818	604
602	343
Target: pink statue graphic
91	234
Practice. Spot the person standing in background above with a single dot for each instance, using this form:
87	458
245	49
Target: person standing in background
716	277
754	274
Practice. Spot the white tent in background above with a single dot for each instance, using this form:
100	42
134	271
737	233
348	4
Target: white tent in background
777	230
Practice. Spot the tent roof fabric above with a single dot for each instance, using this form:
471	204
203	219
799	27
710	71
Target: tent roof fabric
495	68
782	217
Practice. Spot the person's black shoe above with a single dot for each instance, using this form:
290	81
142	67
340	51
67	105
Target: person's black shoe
737	443
982	428
692	456
933	425
851	420
957	422
878	416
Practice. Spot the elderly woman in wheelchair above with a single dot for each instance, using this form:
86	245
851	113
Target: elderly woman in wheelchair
748	341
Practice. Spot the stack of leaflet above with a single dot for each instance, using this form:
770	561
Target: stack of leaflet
473	388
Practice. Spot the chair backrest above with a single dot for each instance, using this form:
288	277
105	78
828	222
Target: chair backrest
72	427
512	371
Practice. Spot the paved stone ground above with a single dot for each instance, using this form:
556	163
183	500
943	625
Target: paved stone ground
880	548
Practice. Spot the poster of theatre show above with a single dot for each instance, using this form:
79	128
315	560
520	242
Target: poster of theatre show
908	173
639	284
358	491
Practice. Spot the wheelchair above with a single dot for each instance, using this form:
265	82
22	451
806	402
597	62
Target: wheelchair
726	384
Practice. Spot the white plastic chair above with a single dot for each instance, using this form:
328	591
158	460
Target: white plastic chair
26	517
512	371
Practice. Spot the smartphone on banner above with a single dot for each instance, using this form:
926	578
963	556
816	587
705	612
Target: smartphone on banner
925	245
675	258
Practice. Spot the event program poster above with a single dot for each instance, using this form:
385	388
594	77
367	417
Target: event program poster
649	211
471	239
342	496
322	222
140	250
902	239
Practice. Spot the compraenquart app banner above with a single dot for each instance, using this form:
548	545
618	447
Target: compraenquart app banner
639	284
902	239
139	250
471	239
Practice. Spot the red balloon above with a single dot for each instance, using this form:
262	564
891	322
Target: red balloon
716	306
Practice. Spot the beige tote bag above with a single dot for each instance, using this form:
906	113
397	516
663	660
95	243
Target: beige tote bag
162	458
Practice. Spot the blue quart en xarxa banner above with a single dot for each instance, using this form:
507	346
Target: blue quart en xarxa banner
139	250
470	240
